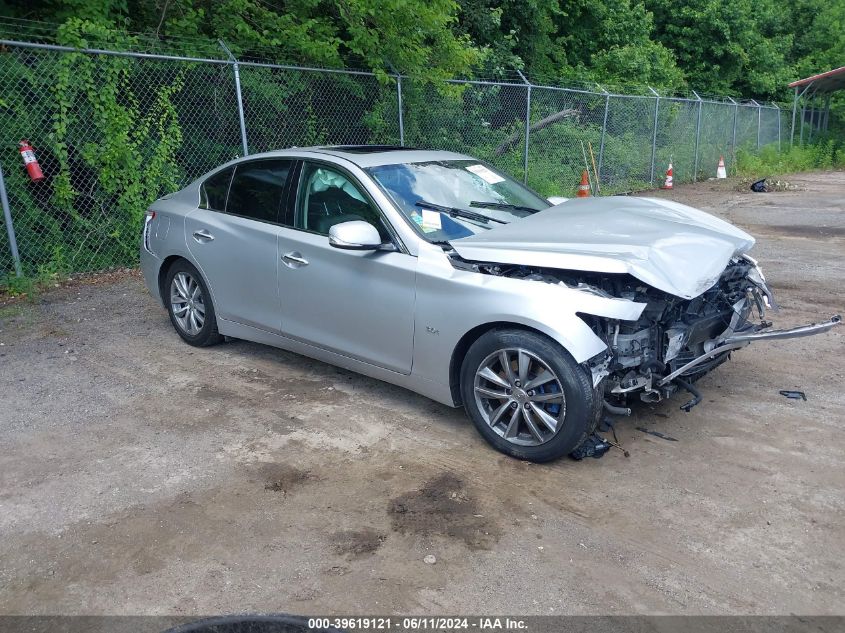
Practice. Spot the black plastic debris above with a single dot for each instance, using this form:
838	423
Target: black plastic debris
793	395
759	186
594	446
668	438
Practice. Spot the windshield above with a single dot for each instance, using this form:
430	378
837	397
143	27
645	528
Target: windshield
447	200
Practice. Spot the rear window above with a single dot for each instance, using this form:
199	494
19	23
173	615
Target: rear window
257	188
214	190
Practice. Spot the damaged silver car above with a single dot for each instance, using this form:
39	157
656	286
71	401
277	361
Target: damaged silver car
436	272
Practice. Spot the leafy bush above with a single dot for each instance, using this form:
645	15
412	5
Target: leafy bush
768	161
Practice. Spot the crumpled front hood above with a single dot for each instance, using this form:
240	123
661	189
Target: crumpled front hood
667	245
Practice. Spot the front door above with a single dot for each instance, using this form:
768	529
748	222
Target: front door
355	303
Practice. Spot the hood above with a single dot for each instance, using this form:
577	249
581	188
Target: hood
667	245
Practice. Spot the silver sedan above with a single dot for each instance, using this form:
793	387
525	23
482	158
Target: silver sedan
436	272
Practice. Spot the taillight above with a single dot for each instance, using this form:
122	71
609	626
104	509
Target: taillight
149	218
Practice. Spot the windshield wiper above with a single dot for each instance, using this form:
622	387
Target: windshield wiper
501	205
458	212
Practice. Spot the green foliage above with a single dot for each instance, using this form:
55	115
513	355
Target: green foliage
751	48
769	162
31	283
727	46
648	63
114	133
572	39
107	155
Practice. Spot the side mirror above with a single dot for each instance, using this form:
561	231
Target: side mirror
356	235
556	200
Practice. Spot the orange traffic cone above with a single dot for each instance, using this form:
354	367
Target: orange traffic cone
584	187
720	170
668	183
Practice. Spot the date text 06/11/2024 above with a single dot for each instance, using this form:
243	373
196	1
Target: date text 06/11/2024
362	623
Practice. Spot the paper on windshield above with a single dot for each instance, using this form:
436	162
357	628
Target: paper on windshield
431	221
485	174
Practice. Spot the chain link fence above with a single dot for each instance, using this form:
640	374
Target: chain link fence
114	130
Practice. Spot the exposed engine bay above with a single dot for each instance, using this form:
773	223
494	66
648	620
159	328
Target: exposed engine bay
675	341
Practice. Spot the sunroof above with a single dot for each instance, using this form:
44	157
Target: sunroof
366	149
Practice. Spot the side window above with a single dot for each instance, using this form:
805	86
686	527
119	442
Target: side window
214	190
327	197
257	189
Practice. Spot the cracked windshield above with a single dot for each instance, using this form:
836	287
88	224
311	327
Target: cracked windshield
447	200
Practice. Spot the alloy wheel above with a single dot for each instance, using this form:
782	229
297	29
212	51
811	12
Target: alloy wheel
187	304
520	397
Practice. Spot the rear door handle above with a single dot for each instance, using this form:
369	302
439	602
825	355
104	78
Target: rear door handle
203	236
294	259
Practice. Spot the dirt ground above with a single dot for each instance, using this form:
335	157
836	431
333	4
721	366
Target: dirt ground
141	476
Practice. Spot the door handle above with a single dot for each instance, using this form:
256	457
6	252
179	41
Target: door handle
294	260
203	236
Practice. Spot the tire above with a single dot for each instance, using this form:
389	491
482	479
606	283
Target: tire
189	305
555	395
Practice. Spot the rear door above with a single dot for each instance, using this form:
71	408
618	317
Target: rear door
356	303
233	238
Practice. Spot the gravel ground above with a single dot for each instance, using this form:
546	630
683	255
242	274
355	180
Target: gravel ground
141	476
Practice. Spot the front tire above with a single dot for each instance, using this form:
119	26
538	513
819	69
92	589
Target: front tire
189	305
526	395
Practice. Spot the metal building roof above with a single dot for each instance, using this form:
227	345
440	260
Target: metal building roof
825	82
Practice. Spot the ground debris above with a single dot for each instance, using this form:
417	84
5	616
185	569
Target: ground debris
767	185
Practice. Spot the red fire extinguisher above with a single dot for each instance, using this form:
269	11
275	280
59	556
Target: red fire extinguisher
30	162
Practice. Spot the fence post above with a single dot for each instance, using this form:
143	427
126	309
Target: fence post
527	125
803	116
826	112
759	110
794	108
10	229
812	101
812	118
237	74
778	111
401	114
733	135
603	132
654	135
697	138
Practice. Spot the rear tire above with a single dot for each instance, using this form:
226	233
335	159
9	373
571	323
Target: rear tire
526	395
190	306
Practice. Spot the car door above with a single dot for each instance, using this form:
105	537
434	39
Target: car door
355	303
233	238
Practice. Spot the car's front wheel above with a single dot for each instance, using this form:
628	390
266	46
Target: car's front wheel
189	305
526	395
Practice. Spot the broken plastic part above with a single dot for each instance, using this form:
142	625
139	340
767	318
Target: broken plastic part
696	395
616	410
594	446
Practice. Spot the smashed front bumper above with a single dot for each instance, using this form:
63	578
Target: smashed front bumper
737	340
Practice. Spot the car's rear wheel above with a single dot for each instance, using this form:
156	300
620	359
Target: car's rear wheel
526	395
189	305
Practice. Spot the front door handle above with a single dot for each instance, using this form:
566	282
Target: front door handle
203	236
294	259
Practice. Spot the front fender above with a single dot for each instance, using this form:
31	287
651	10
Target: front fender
452	302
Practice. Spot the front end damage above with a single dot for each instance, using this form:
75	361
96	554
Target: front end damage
675	341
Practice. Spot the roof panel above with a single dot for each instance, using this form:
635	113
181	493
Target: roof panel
824	82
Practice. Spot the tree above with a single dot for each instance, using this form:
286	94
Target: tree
735	47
